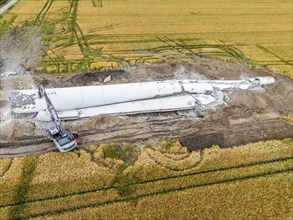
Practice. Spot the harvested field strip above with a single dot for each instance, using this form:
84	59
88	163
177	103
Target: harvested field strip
230	200
148	194
287	161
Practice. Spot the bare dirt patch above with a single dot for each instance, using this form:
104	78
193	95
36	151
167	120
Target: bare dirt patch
20	46
262	109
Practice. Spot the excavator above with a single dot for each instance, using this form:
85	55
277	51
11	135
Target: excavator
63	139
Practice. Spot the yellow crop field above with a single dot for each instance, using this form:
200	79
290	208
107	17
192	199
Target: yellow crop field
212	202
10	179
115	181
124	181
105	34
4	166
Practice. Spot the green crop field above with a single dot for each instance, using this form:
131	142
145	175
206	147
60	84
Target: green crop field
166	182
89	35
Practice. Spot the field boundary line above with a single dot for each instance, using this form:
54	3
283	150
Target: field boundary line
146	182
135	198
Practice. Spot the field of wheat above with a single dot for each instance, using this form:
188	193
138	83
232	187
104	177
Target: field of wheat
118	181
123	181
97	35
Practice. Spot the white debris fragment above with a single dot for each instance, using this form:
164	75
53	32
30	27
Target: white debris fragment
107	79
8	73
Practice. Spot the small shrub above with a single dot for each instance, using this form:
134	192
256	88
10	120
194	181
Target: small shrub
168	143
126	153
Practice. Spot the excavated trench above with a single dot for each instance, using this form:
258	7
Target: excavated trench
248	116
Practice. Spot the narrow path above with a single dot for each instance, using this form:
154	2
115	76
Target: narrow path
5	7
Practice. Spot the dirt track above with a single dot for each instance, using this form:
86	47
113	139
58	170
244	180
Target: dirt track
259	110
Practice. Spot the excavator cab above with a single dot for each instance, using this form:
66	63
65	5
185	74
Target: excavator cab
54	132
64	141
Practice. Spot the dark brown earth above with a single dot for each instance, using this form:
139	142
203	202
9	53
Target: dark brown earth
249	116
238	134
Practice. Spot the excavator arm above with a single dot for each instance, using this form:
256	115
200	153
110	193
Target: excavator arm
50	107
63	139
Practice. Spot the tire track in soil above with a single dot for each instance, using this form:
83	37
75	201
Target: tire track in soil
146	130
8	167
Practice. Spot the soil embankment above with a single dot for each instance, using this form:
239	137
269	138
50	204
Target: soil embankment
238	134
247	116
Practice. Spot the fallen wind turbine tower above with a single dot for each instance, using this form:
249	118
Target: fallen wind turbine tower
130	98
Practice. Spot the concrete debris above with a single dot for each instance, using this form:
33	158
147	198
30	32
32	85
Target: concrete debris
107	79
21	100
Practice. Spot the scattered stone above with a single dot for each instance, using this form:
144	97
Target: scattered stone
107	79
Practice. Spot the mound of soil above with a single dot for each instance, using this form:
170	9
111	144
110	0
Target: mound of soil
229	123
238	134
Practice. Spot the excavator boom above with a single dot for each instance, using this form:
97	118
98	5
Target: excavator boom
63	139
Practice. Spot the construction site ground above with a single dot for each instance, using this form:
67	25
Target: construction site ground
248	116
